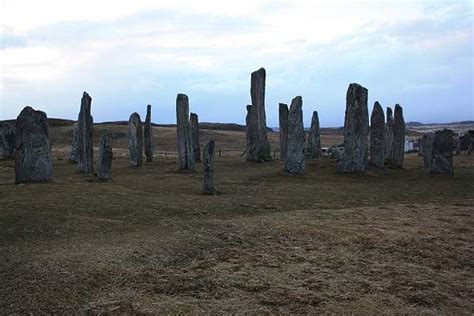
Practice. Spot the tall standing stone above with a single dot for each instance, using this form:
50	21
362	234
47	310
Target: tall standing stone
148	135
250	132
427	148
313	148
377	136
104	164
283	116
398	144
208	168
260	149
85	130
295	159
356	131
442	155
33	161
194	122
135	140
74	150
184	136
389	135
7	141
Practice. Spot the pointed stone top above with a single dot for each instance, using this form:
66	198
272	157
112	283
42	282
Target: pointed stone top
193	115
377	107
297	99
259	71
315	114
134	115
86	95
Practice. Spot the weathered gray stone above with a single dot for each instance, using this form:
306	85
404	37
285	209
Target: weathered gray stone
7	141
33	161
185	140
377	136
283	115
295	159
250	133
442	155
356	131
148	135
389	135
208	168
73	157
464	141
313	146
85	131
259	148
135	140
427	148
104	164
398	144
194	122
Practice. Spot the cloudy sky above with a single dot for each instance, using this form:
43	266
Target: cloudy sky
127	54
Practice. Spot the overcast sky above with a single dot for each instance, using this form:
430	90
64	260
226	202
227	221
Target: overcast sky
127	54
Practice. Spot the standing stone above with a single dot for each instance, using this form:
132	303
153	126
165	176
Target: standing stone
427	148
104	165
442	155
194	122
208	168
295	159
283	115
185	140
313	148
148	135
389	135
377	135
356	131
85	129
398	144
250	132
259	149
33	161
74	152
135	140
7	141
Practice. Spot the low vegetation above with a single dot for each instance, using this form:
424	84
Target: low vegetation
149	241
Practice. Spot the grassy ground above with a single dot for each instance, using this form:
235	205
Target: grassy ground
384	241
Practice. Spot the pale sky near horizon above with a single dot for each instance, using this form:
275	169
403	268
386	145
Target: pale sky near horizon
127	54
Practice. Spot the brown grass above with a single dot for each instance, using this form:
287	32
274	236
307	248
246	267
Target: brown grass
149	242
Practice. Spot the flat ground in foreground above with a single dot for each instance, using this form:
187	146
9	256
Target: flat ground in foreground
383	241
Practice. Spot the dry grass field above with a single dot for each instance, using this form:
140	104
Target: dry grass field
386	241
